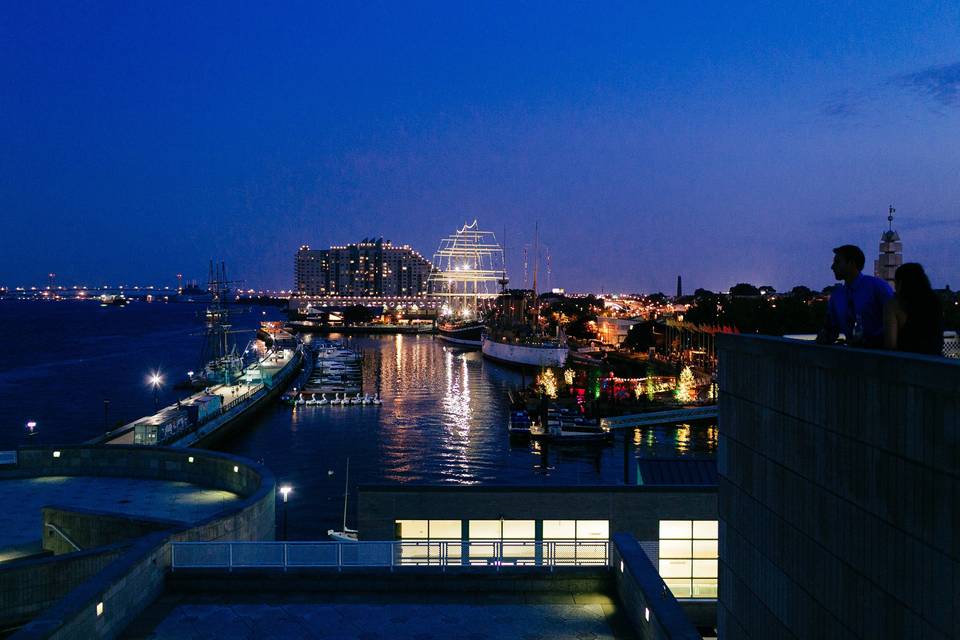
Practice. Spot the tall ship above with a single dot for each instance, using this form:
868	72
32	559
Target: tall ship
468	271
515	334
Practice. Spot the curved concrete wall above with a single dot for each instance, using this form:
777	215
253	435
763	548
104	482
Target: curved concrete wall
135	575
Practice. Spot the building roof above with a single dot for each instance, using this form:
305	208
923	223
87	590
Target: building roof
689	472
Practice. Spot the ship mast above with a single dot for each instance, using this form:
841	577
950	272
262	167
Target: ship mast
536	255
467	267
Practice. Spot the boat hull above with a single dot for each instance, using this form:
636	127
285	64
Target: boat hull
462	335
522	355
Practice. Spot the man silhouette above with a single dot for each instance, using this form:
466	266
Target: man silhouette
856	306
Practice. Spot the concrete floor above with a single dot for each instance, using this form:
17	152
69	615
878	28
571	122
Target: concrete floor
22	499
382	617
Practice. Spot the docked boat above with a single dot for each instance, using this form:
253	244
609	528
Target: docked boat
345	534
570	427
525	352
515	336
468	271
236	385
519	424
461	333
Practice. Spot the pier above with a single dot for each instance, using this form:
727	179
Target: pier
660	417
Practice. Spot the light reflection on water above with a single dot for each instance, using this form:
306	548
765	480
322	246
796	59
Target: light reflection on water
443	420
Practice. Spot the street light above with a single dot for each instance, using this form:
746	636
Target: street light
285	492
156	380
30	428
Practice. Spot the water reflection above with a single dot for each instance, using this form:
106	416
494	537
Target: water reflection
443	420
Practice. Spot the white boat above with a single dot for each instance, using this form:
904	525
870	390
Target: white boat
346	534
336	399
547	353
300	400
376	399
323	399
312	402
367	398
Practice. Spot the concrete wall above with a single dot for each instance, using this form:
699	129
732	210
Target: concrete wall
30	586
131	575
653	611
88	528
636	509
573	580
839	492
209	469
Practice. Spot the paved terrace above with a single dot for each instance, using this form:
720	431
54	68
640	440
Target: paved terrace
21	501
397	616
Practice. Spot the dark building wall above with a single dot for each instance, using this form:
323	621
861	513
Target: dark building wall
634	510
839	492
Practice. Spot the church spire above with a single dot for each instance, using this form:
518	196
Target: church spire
891	251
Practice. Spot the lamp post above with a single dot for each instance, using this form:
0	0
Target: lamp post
31	428
156	380
285	492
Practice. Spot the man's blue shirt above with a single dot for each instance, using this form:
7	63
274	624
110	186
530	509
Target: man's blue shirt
864	296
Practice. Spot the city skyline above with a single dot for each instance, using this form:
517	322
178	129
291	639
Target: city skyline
724	145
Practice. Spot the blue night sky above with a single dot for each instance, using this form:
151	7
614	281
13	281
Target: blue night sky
140	139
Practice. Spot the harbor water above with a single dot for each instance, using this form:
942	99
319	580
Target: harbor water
443	418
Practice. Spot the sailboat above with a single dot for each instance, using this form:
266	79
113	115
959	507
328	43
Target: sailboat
344	535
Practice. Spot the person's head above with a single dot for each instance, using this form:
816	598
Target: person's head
911	281
848	262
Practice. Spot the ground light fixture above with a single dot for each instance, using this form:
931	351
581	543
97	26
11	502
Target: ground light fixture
285	490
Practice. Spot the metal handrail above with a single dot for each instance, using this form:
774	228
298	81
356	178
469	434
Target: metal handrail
493	554
60	533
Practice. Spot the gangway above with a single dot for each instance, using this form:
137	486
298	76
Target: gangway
660	417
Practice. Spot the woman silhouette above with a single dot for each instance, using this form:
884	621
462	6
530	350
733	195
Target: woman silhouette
913	318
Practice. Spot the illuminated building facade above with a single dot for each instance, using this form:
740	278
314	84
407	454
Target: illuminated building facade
367	268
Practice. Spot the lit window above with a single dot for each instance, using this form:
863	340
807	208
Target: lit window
688	554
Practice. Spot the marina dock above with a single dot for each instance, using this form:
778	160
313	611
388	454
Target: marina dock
203	416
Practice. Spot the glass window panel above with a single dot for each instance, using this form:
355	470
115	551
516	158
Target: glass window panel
484	529
518	551
519	529
445	530
679	588
675	568
412	529
705	568
705	529
704	549
675	529
674	549
559	529
482	552
593	529
704	587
